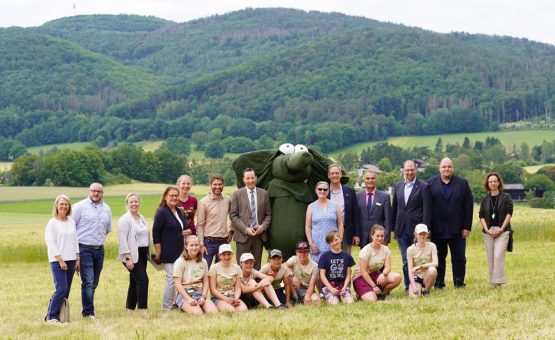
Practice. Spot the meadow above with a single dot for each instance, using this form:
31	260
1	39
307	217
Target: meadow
521	309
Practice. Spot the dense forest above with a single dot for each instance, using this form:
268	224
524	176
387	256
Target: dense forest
257	77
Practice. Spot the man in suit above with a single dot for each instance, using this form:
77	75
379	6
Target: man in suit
451	220
345	197
250	215
411	205
373	207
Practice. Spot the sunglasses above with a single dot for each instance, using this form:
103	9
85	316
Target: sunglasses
322	189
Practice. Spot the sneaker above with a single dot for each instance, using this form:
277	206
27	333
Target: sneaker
90	317
282	307
381	297
52	321
425	292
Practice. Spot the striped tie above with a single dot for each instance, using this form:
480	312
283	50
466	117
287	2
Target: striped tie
253	211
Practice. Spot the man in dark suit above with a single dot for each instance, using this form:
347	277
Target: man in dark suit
451	220
345	197
411	205
373	207
250	214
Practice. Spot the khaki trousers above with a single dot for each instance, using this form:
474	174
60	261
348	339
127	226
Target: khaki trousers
496	248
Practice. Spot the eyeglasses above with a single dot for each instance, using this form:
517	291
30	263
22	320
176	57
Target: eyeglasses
322	189
97	191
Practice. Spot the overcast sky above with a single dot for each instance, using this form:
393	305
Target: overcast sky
532	19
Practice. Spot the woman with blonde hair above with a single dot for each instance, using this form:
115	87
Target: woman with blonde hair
63	254
190	275
187	202
134	242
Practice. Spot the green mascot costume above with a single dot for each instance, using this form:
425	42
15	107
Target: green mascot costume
289	175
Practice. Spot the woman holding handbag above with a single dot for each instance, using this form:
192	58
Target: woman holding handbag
134	242
496	210
63	254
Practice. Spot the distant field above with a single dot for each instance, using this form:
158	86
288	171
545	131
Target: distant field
5	166
534	168
35	150
507	138
16	194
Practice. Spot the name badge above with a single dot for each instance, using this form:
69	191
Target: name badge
378	204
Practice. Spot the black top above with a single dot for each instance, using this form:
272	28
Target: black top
504	205
166	231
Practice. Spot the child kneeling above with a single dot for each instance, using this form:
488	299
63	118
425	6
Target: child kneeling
335	271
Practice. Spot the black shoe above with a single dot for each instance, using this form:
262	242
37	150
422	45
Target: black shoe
460	285
282	307
381	297
425	292
439	285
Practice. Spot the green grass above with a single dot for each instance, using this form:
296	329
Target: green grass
5	166
521	309
507	138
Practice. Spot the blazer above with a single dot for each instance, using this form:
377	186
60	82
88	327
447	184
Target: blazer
166	231
453	212
417	210
127	237
505	208
351	216
240	213
379	214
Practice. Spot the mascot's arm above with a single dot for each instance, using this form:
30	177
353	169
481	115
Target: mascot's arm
236	221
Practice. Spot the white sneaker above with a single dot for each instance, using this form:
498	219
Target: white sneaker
92	317
52	321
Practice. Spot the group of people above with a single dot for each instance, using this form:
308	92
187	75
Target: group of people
426	218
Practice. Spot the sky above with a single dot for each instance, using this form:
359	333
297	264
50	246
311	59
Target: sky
532	19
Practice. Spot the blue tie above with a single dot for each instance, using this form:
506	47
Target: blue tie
369	203
253	210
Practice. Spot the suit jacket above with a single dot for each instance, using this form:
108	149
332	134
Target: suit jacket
417	210
240	213
379	214
453	212
505	206
350	206
127	237
166	231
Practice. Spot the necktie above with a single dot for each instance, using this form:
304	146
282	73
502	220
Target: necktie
369	203
253	211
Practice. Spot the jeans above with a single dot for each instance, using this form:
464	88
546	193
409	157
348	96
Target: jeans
457	246
496	249
169	288
92	260
62	283
404	241
137	293
212	247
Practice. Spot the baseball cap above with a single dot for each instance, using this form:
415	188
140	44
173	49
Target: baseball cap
302	245
275	252
225	248
246	256
421	228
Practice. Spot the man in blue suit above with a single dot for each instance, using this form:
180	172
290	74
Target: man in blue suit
451	221
373	207
345	197
411	205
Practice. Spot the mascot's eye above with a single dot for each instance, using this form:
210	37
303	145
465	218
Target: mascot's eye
300	148
287	148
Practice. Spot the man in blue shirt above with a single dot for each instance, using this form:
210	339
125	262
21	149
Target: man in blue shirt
93	219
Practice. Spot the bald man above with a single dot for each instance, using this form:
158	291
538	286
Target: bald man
451	220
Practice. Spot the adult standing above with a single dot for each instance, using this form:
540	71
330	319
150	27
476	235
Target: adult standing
187	202
134	241
496	210
411	205
322	216
451	220
250	214
93	219
168	232
63	254
345	197
213	228
374	207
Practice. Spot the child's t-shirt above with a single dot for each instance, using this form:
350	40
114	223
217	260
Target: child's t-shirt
336	265
278	276
304	273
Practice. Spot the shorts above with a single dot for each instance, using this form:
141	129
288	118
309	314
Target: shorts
193	293
362	287
280	295
249	300
337	285
300	294
227	294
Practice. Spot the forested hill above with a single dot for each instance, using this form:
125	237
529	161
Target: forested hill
263	74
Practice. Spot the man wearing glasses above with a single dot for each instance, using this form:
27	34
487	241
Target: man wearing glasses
93	219
374	207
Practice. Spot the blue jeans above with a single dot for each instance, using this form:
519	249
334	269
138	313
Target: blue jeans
212	247
92	260
404	241
62	283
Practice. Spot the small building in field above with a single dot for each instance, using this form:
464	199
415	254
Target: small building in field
517	192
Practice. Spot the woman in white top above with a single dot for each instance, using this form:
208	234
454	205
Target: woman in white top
134	241
63	253
422	262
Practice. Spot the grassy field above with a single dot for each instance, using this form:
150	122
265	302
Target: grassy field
5	166
534	168
507	138
522	309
